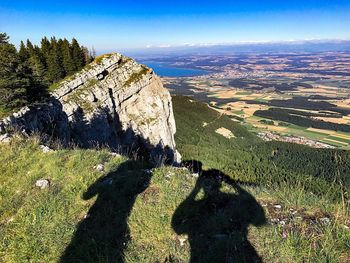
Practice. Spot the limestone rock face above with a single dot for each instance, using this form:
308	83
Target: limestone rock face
113	101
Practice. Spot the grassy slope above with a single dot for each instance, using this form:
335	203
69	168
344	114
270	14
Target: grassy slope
79	219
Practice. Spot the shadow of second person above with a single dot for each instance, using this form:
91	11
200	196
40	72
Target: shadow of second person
103	235
217	222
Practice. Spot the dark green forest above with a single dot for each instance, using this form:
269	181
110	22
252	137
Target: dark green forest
27	72
300	118
247	158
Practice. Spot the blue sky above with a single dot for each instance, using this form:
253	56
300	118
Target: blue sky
126	25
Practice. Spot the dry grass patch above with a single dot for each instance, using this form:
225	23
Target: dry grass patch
328	132
333	120
225	132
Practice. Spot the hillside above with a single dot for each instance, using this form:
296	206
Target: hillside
276	206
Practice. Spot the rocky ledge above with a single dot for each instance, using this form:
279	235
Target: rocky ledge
113	102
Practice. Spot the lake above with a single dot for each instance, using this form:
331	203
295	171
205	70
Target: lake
166	70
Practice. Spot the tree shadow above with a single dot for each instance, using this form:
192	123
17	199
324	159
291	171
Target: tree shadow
217	222
104	233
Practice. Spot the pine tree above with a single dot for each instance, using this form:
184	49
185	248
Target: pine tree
55	70
37	66
13	83
77	55
45	47
30	47
25	75
23	52
67	60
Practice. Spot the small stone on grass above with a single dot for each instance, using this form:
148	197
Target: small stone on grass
42	183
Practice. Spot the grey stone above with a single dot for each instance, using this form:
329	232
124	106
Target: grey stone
45	148
42	183
5	138
114	154
325	220
282	222
99	167
278	207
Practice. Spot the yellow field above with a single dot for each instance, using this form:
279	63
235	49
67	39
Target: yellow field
343	136
328	132
333	120
343	103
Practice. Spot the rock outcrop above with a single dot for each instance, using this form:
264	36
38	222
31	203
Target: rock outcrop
113	101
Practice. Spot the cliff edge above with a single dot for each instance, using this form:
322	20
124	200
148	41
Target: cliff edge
115	102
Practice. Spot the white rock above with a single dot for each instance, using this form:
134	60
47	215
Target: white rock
274	220
100	167
45	148
182	240
114	154
5	138
325	220
42	183
277	206
195	175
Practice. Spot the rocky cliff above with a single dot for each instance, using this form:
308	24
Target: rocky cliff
114	101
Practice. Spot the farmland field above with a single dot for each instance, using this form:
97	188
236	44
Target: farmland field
280	95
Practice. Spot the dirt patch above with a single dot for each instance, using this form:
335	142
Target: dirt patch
225	132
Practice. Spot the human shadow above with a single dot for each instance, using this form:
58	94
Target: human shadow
217	222
104	233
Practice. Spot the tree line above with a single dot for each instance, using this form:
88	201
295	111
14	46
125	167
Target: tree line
27	72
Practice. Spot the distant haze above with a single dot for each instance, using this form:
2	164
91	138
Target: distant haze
272	47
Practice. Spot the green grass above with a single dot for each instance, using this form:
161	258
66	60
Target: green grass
58	84
334	143
6	112
125	214
135	77
339	139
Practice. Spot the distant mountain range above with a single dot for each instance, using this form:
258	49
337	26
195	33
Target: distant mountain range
246	47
